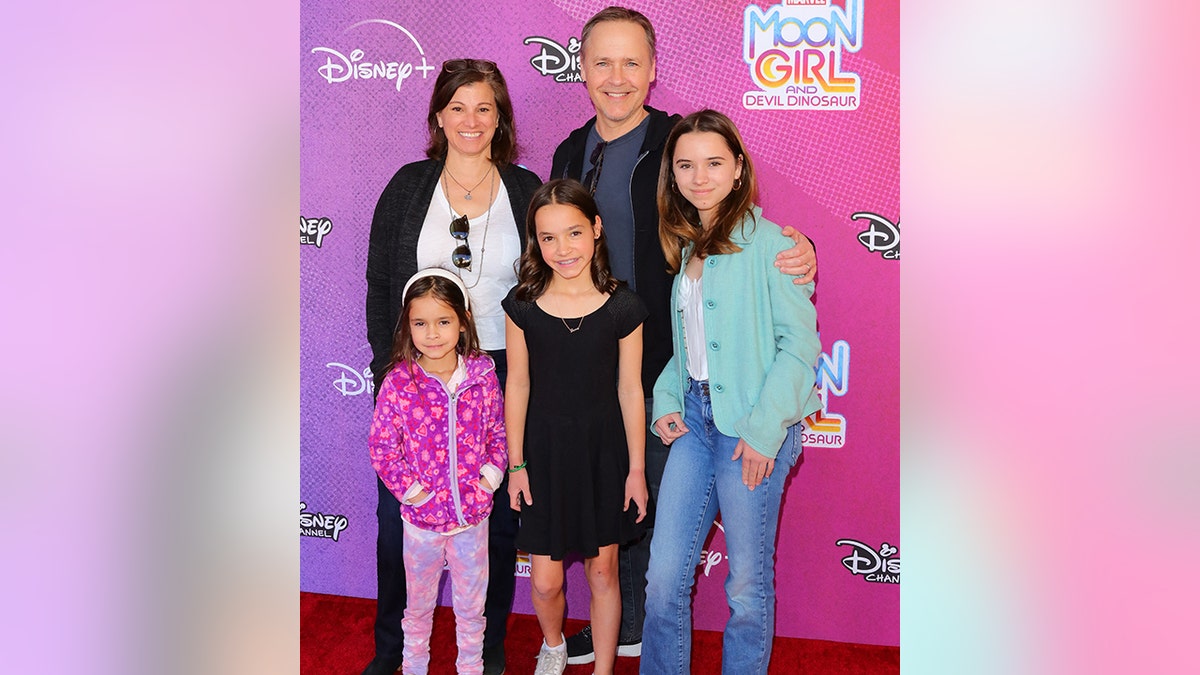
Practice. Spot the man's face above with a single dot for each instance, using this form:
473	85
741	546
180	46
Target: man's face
617	69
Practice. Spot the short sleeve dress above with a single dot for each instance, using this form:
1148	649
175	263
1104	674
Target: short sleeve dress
575	447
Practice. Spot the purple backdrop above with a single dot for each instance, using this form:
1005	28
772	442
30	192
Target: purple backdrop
814	89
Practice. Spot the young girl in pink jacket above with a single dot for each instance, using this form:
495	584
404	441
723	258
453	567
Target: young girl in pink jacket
437	441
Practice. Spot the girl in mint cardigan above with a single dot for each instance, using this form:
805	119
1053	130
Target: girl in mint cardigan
729	400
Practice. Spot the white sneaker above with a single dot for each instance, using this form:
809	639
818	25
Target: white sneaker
551	661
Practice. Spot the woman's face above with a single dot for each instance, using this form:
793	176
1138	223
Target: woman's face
705	169
470	120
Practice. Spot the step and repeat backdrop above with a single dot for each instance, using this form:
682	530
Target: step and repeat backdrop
814	87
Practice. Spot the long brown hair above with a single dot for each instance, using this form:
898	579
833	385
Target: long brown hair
533	273
461	72
678	220
443	290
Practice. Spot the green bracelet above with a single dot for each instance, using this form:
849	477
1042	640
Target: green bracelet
518	467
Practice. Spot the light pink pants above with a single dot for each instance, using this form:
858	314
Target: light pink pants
467	556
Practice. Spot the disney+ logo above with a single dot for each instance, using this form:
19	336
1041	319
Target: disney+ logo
340	67
557	60
875	566
709	558
882	236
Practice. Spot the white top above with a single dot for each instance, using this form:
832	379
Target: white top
691	299
492	272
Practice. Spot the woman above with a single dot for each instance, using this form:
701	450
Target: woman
741	376
462	209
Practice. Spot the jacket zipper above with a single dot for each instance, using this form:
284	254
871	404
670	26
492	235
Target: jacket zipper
633	241
452	451
452	446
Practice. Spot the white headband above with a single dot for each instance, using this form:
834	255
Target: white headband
439	272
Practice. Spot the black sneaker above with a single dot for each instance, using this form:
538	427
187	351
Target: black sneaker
579	647
379	666
493	659
580	650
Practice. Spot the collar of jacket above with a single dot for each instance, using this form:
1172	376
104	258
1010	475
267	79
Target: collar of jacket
656	135
476	366
740	234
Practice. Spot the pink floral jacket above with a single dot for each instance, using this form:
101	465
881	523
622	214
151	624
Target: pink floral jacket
410	442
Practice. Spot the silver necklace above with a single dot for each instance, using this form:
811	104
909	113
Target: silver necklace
468	195
486	224
576	328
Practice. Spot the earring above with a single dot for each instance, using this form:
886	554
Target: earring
737	183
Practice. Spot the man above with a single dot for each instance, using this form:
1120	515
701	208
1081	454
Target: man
617	154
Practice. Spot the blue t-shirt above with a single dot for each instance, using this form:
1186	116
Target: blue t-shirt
612	195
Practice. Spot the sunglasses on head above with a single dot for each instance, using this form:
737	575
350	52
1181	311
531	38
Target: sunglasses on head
460	227
479	65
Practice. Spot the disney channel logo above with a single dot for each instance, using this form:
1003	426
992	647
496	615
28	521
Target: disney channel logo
313	230
556	60
874	566
882	236
321	525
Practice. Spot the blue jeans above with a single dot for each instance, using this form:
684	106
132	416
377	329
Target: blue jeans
633	558
700	480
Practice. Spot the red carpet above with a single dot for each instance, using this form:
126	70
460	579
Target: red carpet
336	639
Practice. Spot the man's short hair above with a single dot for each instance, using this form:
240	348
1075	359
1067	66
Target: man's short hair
620	14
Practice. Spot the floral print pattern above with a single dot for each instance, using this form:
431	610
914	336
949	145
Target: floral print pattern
411	442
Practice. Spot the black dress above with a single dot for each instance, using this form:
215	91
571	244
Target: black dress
575	447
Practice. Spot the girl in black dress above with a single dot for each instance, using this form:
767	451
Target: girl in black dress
575	414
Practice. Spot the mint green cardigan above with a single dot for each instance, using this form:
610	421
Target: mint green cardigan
762	344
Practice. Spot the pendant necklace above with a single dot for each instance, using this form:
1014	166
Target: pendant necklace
468	195
576	328
487	223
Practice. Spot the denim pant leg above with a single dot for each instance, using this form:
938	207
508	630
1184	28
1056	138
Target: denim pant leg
687	506
634	559
502	563
467	558
502	545
424	553
389	567
751	521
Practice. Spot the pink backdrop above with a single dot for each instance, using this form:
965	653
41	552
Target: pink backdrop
814	89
